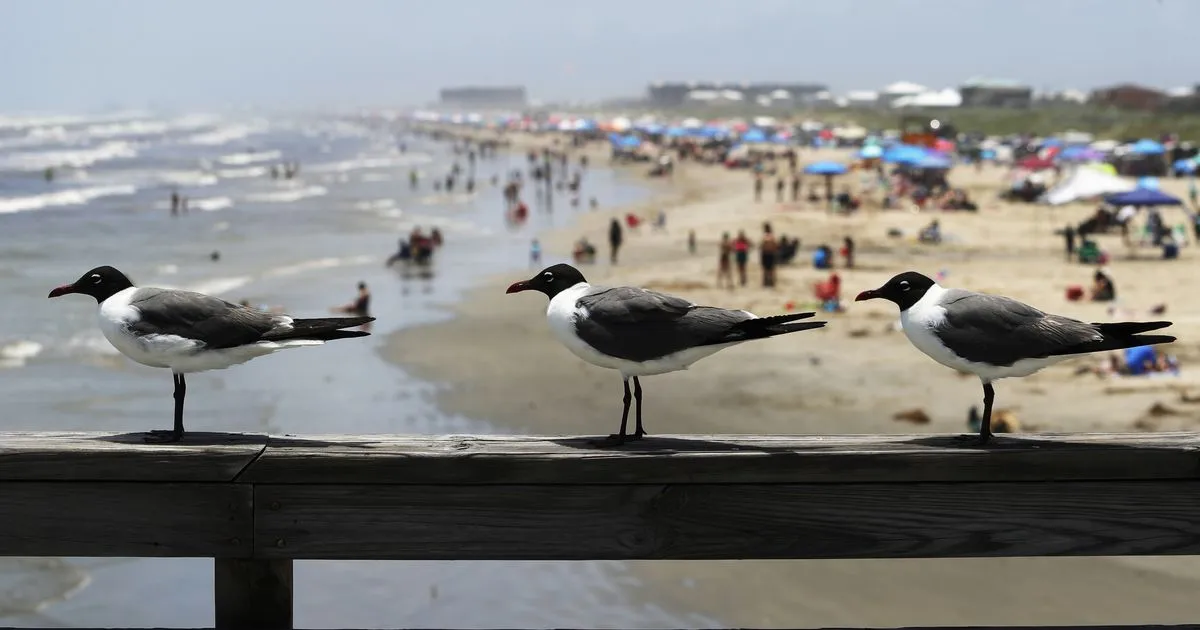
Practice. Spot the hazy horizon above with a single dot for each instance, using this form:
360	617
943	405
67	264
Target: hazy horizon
69	55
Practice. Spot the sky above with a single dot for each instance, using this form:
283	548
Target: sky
74	55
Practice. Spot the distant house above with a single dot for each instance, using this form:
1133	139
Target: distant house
1129	96
995	93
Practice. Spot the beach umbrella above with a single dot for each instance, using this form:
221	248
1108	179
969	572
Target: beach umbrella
870	152
1080	154
754	135
825	168
630	142
1186	166
1143	197
676	132
934	161
1148	183
904	154
1146	146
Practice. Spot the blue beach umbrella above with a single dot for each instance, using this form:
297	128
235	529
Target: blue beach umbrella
935	161
825	168
904	154
1147	147
754	135
1143	197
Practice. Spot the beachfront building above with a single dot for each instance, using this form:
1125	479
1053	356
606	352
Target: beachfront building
484	97
1129	96
677	94
1003	93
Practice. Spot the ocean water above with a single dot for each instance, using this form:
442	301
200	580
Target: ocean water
299	244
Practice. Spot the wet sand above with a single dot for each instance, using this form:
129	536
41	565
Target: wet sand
502	365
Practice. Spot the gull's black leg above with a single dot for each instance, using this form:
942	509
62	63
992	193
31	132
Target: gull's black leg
175	434
638	431
985	427
618	439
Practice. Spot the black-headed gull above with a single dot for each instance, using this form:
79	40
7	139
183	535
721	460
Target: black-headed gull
192	332
996	337
641	333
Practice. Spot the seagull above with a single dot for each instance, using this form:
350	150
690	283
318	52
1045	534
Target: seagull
996	337
192	332
641	333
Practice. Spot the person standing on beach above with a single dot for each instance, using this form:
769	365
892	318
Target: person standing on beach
174	202
848	251
741	253
692	242
767	251
779	186
725	263
1069	237
758	186
795	187
535	253
615	236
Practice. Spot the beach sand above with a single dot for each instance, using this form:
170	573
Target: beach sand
851	377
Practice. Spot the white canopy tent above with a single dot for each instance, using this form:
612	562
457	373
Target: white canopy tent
1085	183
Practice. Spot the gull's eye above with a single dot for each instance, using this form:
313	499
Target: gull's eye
904	285
96	279
548	276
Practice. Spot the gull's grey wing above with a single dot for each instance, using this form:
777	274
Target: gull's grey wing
1001	331
639	325
213	321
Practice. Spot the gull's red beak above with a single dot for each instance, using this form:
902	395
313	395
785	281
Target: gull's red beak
867	295
63	290
516	287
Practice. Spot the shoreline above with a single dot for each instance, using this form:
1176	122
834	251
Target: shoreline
815	383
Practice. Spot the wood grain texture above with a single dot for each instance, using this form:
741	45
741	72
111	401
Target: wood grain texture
103	519
1127	627
252	594
727	521
723	458
125	457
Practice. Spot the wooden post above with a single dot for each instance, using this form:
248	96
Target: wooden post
253	594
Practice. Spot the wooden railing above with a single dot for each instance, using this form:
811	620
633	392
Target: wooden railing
256	503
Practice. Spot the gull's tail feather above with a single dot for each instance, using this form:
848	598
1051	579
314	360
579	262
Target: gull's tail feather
1121	335
763	327
321	329
1123	329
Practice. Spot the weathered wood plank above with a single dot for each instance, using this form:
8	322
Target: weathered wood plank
727	521
125	457
253	594
452	459
125	519
1179	627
